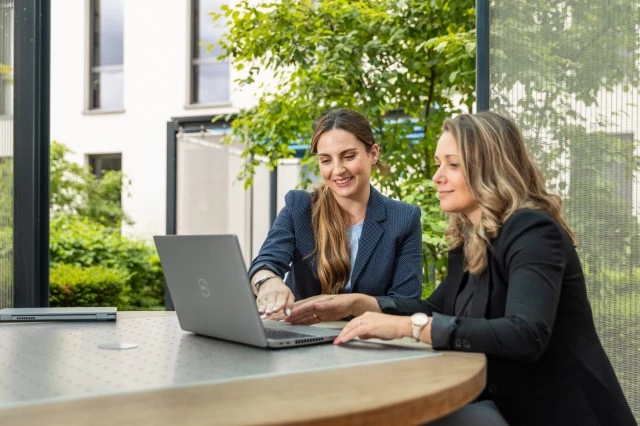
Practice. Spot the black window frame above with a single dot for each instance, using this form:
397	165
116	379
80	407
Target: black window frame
95	162
32	29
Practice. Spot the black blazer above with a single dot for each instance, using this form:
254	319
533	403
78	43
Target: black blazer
389	258
530	315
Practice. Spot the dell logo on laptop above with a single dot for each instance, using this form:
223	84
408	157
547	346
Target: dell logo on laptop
204	287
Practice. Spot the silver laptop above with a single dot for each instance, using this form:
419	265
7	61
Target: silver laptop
59	314
211	293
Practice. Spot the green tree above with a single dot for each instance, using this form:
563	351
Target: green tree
406	65
77	191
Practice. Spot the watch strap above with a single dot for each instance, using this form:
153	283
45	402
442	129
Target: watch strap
416	329
263	280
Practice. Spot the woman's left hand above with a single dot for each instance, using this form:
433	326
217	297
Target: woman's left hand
375	325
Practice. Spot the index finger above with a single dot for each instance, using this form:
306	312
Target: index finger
279	302
262	303
289	304
350	331
304	303
302	308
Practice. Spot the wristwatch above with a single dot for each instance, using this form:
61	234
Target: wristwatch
263	280
418	322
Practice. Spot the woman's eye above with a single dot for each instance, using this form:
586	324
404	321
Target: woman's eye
350	157
325	161
454	165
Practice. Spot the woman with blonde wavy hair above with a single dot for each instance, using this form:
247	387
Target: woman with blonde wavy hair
344	237
515	289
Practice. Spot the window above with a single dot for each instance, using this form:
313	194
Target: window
106	55
6	57
210	78
101	163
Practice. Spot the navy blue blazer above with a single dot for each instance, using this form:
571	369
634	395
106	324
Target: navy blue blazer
389	258
530	315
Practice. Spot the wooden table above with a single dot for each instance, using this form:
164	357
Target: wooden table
408	391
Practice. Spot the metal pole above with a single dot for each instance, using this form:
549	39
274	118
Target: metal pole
31	153
172	130
482	54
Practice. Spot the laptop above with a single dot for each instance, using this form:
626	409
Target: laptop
59	314
211	293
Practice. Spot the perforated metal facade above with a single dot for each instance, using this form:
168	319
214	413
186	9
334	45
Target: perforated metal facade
568	73
6	153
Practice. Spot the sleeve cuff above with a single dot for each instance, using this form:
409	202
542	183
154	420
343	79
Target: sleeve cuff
259	266
442	327
387	304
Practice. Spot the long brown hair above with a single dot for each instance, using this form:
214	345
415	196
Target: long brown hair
502	178
328	220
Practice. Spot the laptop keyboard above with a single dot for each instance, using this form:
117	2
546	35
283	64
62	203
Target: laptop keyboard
284	334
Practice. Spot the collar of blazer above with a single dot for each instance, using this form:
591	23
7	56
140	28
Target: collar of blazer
496	271
376	208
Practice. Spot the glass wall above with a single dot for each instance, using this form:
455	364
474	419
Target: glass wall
6	153
210	200
568	73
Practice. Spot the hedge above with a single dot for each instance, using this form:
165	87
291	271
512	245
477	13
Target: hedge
85	243
72	285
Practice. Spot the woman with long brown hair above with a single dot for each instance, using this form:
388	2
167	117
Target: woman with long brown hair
344	236
515	289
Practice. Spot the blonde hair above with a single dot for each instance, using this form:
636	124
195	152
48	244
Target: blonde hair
501	177
329	222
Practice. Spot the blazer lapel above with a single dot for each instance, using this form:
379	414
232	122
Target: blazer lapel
372	231
455	277
480	298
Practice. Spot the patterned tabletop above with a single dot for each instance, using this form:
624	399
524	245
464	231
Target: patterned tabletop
43	362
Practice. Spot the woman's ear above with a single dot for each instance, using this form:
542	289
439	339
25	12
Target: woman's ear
374	152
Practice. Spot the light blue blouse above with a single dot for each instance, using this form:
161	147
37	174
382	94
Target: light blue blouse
353	232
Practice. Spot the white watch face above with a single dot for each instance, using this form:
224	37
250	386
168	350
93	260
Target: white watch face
419	319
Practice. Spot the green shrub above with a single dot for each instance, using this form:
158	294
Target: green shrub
77	191
82	242
72	285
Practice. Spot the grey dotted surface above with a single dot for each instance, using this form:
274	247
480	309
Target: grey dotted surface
46	361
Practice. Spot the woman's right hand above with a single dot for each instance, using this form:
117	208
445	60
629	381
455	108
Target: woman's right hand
375	325
275	299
